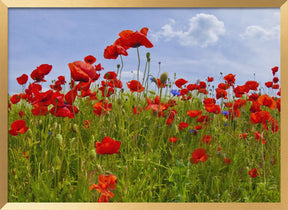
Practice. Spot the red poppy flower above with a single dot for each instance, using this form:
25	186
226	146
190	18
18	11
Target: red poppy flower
202	85
212	108
180	82
183	125
198	127
160	84
71	96
15	99
268	84
239	103
106	183
275	126
228	104
39	73
192	87
253	97
98	67
240	90
274	70
278	104
194	113
275	86
199	155
129	39
18	126
136	110
90	59
102	107
112	51
255	107
87	124
230	79
22	79
252	85
203	118
206	139
266	100
226	160
221	93
253	172
135	86
83	72
173	139
171	116
183	92
39	109
110	75
223	86
210	79
107	146
275	79
243	136
260	117
66	110
207	101
42	97
21	114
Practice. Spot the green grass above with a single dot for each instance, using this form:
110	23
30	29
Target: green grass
149	168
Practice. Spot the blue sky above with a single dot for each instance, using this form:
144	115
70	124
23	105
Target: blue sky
193	43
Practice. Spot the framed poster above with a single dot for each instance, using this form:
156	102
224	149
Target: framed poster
177	105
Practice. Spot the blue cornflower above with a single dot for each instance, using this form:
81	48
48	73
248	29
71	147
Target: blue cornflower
151	79
225	124
225	112
175	92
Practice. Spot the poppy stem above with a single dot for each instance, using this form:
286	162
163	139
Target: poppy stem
122	64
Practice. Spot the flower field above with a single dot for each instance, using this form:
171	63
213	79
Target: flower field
95	138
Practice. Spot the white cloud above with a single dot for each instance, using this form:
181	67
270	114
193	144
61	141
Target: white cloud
130	75
260	33
203	30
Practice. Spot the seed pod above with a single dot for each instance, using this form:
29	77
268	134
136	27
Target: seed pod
57	163
59	139
55	125
164	77
92	154
154	80
75	128
175	129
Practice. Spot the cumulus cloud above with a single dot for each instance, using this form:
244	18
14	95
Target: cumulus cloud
202	30
260	33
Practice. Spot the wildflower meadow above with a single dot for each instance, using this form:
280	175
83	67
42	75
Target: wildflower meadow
156	138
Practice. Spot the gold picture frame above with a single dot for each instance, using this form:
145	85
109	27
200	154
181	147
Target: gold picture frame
6	4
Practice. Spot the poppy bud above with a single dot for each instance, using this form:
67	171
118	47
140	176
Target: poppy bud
148	55
57	163
75	128
59	139
108	173
175	129
92	154
154	80
55	125
164	77
118	66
